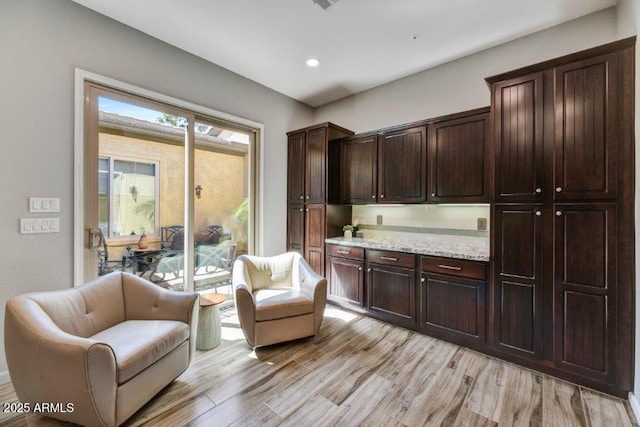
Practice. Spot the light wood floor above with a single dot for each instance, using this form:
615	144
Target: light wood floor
359	371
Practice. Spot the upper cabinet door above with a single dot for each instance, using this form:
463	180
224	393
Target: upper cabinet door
518	135
316	174
402	166
295	167
458	156
358	171
586	133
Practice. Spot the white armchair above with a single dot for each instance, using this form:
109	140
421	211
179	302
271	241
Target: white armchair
106	347
278	298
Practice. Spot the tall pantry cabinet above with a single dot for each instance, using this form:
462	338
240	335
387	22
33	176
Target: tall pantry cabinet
563	221
313	181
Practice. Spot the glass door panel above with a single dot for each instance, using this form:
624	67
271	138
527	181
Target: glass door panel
141	189
221	203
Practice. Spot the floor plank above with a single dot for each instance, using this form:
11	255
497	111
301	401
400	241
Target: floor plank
360	372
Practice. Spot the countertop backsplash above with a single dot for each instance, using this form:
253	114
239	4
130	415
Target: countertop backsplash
451	223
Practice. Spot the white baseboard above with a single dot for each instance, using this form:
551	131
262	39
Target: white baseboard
4	377
635	405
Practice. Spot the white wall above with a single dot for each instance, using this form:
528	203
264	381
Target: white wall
459	85
41	43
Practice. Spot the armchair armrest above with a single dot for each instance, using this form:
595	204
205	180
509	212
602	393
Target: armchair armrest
244	301
314	286
75	370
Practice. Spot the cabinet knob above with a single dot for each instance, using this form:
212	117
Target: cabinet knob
422	280
300	209
538	213
368	270
359	268
382	196
558	213
373	197
302	197
433	194
307	197
558	189
307	209
538	190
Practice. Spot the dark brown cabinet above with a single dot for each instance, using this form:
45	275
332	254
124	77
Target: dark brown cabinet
296	164
390	167
562	224
296	228
359	159
441	160
345	275
518	108
313	165
585	286
308	166
315	232
518	231
402	166
315	186
586	110
391	286
458	159
453	300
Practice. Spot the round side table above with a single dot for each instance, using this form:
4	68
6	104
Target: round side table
209	324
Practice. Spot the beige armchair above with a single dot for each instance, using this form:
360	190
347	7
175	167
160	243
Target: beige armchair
105	348
278	298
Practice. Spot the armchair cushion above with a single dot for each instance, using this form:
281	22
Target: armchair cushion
278	303
138	344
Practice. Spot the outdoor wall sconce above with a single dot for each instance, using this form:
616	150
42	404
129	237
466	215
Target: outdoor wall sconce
198	191
134	193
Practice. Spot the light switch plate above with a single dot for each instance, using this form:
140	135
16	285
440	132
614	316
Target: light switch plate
482	224
44	204
39	225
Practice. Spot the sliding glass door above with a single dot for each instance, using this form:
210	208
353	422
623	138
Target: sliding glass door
167	194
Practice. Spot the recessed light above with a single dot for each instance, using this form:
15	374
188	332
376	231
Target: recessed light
313	62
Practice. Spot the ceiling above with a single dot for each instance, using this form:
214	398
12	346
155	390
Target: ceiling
360	43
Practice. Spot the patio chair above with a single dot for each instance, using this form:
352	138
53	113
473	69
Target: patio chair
213	265
172	237
105	266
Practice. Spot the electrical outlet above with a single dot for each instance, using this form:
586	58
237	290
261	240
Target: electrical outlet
379	220
482	224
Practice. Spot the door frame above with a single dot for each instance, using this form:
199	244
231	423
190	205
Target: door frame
256	186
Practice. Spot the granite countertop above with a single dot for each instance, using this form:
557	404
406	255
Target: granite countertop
428	246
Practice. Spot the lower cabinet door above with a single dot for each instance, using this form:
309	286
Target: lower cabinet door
346	281
585	289
453	308
391	293
518	281
314	225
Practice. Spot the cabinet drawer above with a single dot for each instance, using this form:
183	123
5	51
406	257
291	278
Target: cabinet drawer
345	251
398	259
455	267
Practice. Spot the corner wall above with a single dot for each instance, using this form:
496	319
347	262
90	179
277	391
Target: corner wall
41	44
